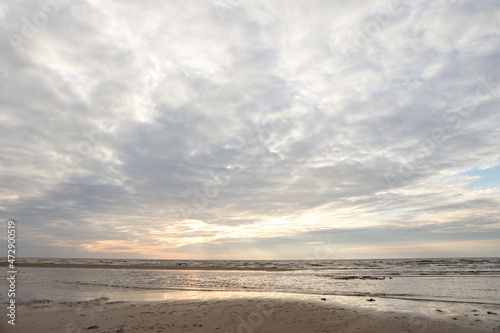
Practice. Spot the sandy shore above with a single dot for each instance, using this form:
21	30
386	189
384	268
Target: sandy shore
228	315
184	268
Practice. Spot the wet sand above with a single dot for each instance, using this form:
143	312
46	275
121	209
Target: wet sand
228	315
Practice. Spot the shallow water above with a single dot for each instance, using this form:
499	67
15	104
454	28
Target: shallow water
473	280
69	281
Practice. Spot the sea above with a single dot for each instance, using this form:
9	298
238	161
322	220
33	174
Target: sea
453	287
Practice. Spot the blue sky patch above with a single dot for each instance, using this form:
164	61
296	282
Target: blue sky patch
490	178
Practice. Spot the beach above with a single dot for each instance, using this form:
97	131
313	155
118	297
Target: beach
231	315
383	295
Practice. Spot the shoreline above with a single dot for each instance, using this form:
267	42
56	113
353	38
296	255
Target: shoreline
240	315
151	267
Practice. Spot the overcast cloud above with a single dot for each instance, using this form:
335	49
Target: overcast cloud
235	129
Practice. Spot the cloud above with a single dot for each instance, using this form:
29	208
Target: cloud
168	127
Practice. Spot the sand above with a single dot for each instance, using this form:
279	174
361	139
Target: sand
228	315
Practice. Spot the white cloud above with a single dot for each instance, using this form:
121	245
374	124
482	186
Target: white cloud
128	121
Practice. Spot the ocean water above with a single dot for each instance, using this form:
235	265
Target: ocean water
455	286
387	267
473	280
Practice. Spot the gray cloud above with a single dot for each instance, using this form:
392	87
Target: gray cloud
166	127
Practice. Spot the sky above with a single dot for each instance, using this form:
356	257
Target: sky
251	129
